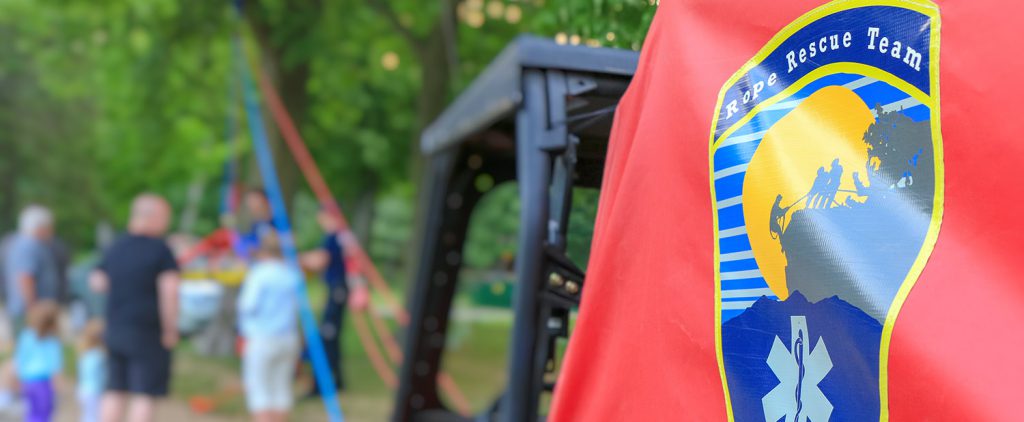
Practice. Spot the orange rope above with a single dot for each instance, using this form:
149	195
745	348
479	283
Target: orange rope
394	352
304	160
451	390
366	338
316	182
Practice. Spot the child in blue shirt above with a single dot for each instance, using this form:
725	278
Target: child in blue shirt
37	360
92	371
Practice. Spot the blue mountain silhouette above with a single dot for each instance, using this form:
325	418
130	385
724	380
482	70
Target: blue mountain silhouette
851	336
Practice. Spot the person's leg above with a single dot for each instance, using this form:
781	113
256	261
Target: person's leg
280	372
8	383
8	379
330	331
48	401
148	379
112	406
28	394
39	397
141	408
256	376
273	387
277	416
89	406
114	400
340	343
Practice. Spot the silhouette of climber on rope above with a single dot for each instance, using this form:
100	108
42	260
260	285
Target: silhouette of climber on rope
821	195
778	217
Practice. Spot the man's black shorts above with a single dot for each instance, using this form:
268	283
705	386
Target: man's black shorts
147	374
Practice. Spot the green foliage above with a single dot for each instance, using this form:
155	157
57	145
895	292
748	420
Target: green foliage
581	225
612	23
492	238
102	105
493	229
100	100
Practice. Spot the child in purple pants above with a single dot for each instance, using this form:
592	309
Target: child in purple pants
37	360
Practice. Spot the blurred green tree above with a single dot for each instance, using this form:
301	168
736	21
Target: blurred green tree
100	100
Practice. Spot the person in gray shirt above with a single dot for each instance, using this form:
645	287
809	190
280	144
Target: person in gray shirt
30	269
30	273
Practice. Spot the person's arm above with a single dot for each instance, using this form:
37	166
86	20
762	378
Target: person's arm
167	284
55	360
55	356
27	288
25	262
318	260
98	281
314	261
20	352
359	296
248	297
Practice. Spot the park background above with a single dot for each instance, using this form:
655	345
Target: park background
100	100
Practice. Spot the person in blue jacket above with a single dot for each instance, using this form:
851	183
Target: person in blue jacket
329	260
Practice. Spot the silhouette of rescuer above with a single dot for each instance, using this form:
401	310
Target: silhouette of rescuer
817	188
835	176
778	217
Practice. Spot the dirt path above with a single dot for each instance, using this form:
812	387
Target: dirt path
170	411
358	408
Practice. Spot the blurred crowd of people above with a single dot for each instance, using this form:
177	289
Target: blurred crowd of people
124	350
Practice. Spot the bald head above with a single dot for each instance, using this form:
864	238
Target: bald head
151	215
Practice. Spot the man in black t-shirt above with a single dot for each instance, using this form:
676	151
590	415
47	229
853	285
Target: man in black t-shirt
140	276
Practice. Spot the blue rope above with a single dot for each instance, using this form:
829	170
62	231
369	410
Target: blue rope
265	160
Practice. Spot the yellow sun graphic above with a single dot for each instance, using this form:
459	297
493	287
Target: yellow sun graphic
829	125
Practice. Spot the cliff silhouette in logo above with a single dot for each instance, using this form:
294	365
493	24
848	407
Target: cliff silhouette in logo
862	248
851	336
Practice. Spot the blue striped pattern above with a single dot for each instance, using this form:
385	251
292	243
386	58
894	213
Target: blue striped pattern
742	283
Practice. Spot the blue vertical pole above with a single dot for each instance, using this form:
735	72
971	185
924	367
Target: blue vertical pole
265	160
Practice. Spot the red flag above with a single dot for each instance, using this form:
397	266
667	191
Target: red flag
810	210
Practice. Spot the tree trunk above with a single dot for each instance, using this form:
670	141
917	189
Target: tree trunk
437	70
290	82
9	152
291	86
193	202
8	182
364	213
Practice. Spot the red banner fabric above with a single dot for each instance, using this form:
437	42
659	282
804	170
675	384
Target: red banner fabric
887	285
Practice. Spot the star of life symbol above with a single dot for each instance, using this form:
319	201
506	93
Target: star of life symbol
799	370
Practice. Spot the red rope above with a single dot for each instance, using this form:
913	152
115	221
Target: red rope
394	352
376	360
306	164
451	390
216	241
309	169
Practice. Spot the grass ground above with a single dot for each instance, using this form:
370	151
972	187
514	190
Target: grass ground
477	347
476	362
478	343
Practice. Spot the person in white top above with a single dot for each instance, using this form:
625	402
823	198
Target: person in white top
268	318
